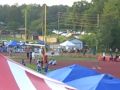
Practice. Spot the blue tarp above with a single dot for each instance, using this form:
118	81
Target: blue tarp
72	72
96	82
13	43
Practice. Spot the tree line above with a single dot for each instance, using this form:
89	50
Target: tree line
99	18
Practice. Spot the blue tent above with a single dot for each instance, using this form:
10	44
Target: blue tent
72	72
96	82
12	43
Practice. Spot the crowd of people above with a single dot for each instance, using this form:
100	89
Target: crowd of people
35	55
113	55
41	58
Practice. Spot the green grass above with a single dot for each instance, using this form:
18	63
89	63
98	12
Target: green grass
68	57
32	66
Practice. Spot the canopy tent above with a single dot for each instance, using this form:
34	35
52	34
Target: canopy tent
70	73
96	82
75	41
13	43
38	45
14	76
21	43
67	43
78	43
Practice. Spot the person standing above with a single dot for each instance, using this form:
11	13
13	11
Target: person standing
116	54
30	56
33	55
84	51
116	51
111	55
110	52
39	66
46	67
27	52
43	57
23	62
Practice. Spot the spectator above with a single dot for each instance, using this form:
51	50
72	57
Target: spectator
110	52
10	51
46	67
23	62
30	57
52	53
111	55
103	56
27	52
116	51
39	66
52	62
33	56
84	51
45	59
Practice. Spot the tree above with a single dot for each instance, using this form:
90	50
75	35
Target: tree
13	27
110	29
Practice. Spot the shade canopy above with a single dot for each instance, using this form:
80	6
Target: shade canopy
71	72
14	76
96	82
67	43
13	43
76	41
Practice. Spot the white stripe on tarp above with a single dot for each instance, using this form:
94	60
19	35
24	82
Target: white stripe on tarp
20	76
56	86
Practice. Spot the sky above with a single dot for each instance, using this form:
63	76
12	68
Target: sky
41	2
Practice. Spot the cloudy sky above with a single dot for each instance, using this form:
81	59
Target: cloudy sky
48	2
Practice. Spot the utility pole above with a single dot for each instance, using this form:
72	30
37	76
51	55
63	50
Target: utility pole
25	24
1	35
45	30
58	23
98	23
74	22
98	20
42	24
45	24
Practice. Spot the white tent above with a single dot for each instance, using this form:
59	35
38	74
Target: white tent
28	44
77	43
67	44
